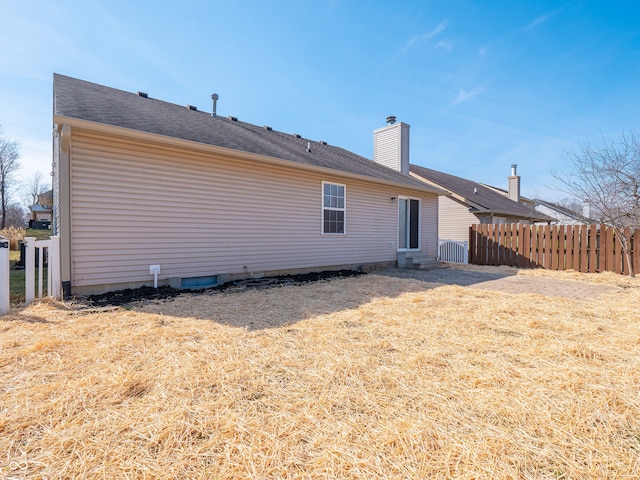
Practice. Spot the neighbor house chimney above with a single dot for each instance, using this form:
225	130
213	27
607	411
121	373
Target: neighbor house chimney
514	184
391	145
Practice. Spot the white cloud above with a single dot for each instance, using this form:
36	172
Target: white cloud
541	19
445	45
417	39
464	95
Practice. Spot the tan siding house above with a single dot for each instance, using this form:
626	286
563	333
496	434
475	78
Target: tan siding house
454	219
131	194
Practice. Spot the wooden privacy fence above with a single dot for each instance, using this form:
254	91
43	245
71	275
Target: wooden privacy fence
584	248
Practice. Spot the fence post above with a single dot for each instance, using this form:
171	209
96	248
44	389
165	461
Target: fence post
54	286
29	269
4	275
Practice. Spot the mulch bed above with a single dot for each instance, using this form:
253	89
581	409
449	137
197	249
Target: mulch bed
123	297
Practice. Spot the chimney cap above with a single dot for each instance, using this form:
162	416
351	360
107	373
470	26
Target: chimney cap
391	119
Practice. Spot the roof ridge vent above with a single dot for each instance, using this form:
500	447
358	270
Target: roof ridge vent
233	119
268	128
297	135
143	94
192	107
322	142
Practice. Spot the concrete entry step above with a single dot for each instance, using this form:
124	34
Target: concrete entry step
417	261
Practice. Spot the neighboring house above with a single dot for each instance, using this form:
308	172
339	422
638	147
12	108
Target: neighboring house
557	214
41	211
561	215
139	183
470	203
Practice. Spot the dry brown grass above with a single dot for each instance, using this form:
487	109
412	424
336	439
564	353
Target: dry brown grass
371	377
14	235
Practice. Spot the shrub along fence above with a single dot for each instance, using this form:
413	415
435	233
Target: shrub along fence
584	248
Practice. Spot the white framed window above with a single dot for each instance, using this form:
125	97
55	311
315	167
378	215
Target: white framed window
333	208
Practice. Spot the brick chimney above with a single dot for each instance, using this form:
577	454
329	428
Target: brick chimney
391	145
514	184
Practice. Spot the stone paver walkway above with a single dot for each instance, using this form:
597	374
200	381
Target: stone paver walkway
507	282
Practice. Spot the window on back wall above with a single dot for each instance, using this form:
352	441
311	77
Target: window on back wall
333	208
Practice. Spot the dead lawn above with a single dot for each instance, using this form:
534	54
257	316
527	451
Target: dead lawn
371	377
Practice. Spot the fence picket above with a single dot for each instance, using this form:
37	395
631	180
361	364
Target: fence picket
514	244
490	244
526	246
576	248
569	243
5	293
636	252
472	244
553	245
593	242
625	263
538	243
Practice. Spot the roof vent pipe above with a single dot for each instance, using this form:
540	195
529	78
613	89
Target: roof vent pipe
214	98
391	119
513	169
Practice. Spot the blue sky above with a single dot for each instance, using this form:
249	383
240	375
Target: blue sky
483	84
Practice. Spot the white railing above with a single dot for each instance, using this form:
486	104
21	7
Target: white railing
453	251
35	247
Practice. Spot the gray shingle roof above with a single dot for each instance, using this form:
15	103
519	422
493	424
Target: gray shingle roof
78	99
477	196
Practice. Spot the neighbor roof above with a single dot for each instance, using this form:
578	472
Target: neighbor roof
37	208
78	99
562	210
479	198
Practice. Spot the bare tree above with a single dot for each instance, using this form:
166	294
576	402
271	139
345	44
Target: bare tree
15	216
572	204
34	186
9	165
608	178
